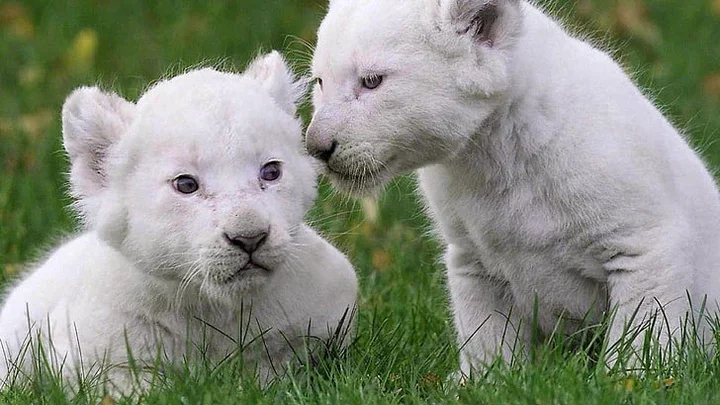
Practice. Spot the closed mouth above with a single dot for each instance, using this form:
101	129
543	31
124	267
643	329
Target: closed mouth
365	177
250	266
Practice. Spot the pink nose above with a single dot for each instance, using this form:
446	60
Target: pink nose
319	146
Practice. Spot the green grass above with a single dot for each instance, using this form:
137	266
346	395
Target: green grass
405	349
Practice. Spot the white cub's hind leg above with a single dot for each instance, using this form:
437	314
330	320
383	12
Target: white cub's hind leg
649	292
486	324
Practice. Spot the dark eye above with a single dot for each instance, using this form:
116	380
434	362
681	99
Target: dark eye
372	82
318	81
271	171
185	184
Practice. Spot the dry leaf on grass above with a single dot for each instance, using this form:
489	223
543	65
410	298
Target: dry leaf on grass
430	381
633	18
15	18
629	384
367	230
11	269
107	400
585	8
381	260
667	383
81	55
711	86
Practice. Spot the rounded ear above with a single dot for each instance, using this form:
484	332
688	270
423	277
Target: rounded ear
488	22
93	121
278	80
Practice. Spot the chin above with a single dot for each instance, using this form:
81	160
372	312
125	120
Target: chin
243	283
356	188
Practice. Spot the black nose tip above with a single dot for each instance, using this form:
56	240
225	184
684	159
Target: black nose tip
324	154
247	243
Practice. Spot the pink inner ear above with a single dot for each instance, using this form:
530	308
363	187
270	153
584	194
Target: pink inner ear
484	23
481	23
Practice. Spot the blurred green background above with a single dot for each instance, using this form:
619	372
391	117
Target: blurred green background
47	48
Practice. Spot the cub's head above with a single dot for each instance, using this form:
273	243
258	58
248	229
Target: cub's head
404	83
204	179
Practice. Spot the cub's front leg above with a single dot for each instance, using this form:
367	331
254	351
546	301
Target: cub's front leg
486	324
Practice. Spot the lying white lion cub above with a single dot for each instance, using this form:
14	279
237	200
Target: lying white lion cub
551	177
193	200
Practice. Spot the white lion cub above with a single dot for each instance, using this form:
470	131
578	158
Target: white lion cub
551	178
193	202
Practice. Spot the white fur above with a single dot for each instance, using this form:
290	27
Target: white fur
153	269
549	175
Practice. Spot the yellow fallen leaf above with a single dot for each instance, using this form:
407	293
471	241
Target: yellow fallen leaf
11	269
11	11
632	17
367	229
629	384
715	6
664	383
711	86
15	18
81	55
107	400
381	260
430	380
585	8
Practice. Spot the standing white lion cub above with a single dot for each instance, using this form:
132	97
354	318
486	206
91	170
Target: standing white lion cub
193	202
551	178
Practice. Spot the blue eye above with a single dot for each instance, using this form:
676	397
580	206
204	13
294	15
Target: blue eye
371	82
271	171
186	184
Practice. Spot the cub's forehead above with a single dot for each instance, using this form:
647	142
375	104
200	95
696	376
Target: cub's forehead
364	32
200	90
212	106
212	113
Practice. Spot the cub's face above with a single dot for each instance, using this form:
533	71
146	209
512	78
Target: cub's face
403	84
208	184
219	183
